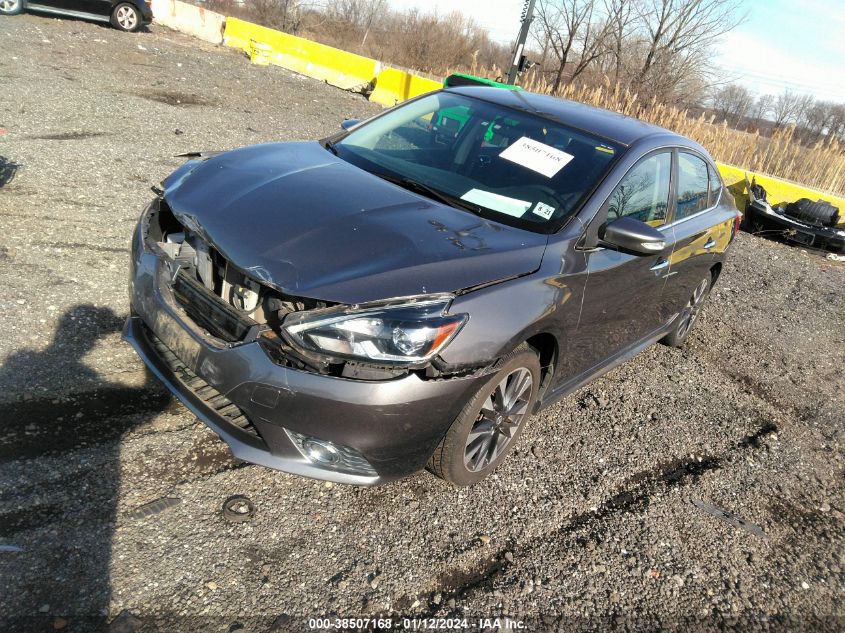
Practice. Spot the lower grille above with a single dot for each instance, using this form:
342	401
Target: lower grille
208	311
213	399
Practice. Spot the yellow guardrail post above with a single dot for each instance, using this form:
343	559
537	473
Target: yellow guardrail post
394	86
236	34
259	54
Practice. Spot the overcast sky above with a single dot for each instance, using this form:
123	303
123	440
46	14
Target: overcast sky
792	44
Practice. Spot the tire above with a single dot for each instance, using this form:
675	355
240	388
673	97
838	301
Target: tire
11	7
125	17
688	316
462	460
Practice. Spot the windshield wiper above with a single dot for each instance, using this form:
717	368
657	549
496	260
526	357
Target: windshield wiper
431	192
330	146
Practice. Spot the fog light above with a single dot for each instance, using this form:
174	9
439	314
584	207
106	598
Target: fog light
331	456
320	451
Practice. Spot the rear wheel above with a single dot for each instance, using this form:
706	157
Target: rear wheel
125	17
688	316
487	428
11	7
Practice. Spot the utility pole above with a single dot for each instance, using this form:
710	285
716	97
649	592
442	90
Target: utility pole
518	57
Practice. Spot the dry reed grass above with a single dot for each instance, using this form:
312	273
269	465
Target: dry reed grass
781	155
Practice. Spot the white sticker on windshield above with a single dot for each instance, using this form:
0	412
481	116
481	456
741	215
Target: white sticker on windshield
545	211
537	156
502	204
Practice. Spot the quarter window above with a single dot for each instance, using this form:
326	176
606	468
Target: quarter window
643	193
715	184
693	186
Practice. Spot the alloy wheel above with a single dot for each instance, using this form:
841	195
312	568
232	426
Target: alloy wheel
692	308
126	17
499	418
7	6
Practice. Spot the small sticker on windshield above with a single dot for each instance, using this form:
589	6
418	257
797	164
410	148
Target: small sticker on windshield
536	156
545	211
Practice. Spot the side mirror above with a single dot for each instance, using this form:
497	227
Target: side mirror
634	236
350	123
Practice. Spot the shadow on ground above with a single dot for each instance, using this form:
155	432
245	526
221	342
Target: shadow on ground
76	437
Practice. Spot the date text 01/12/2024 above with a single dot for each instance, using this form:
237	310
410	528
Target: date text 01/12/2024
416	624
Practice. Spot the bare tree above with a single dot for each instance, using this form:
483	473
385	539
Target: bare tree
818	121
285	15
786	108
359	13
572	35
431	42
836	127
732	102
763	107
620	27
677	36
805	102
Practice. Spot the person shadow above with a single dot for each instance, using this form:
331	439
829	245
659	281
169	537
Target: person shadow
61	425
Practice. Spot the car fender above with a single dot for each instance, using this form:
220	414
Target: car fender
507	314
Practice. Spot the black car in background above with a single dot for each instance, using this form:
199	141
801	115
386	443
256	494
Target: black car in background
408	292
125	15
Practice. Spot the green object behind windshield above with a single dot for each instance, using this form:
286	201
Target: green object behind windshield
464	79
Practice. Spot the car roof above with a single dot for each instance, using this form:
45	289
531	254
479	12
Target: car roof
613	126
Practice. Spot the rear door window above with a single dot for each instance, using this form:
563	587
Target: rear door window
693	186
643	193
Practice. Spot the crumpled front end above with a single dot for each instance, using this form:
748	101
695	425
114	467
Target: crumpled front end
209	331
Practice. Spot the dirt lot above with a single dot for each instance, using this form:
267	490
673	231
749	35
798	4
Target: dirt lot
599	520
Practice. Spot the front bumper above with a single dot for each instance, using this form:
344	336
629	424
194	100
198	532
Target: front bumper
781	225
394	424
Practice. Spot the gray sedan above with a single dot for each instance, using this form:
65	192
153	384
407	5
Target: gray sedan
407	293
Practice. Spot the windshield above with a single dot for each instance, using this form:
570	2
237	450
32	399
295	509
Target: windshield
504	164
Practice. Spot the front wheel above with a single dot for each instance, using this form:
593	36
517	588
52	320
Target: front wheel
686	319
11	7
125	17
487	428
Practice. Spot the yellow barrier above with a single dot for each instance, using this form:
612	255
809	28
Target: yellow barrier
777	190
393	86
332	65
237	34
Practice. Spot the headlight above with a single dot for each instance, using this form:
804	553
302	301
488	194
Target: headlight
407	332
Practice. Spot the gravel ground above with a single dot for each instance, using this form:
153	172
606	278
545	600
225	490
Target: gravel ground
599	520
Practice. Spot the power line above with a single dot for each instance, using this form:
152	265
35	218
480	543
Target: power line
783	83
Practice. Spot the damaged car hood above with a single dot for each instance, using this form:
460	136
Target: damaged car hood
300	219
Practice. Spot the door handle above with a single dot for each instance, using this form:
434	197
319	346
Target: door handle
710	243
660	265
